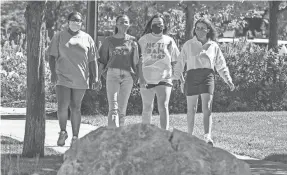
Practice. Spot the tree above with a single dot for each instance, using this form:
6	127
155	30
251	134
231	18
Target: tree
273	16
35	117
189	14
51	16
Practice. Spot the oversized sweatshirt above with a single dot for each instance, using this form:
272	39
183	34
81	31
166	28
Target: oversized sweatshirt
196	57
73	54
158	53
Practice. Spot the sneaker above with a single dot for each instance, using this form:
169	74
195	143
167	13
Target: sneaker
74	139
63	135
208	139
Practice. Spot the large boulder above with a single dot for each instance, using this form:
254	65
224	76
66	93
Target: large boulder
142	149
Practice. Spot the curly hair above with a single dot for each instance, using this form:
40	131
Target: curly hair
212	34
148	25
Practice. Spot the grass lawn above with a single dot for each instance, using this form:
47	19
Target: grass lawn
13	164
261	135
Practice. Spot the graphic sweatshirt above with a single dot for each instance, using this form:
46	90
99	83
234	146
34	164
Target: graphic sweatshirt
158	53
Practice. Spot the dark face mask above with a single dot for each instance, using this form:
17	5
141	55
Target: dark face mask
156	29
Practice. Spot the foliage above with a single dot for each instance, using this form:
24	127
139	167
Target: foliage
260	77
14	76
251	78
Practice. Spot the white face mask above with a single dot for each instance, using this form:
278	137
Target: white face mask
75	26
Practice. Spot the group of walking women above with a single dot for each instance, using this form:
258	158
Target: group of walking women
153	61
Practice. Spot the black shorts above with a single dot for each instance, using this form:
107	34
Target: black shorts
149	86
199	81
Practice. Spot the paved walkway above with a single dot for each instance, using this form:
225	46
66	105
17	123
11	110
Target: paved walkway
15	127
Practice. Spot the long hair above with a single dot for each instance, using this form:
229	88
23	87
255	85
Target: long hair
212	34
148	25
74	14
118	17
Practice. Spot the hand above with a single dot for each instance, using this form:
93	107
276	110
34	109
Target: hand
142	83
54	78
231	86
97	85
206	46
182	83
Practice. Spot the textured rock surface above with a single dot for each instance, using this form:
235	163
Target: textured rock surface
147	150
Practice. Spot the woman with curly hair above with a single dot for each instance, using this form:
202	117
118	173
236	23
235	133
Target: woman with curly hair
158	53
202	56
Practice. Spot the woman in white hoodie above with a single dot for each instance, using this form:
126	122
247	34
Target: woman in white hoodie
202	56
158	53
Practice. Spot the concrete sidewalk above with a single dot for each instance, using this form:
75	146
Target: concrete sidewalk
16	129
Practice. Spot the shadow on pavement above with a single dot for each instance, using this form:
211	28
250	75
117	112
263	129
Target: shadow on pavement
263	167
277	158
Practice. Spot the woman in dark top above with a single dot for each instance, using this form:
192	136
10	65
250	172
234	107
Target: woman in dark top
118	64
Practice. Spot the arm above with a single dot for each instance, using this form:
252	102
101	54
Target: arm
52	64
93	66
174	52
53	53
140	65
179	66
103	56
92	59
221	67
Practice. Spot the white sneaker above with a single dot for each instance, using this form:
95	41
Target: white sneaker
207	139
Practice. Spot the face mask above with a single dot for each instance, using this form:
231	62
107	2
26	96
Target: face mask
75	26
200	34
156	29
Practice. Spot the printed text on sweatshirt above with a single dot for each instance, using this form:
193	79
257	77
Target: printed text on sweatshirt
157	55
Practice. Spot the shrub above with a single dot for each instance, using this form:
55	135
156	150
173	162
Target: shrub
259	76
14	73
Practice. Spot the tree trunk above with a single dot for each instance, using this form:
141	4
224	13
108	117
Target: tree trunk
51	17
273	26
189	14
35	117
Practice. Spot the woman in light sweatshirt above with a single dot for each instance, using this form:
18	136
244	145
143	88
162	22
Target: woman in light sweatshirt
202	56
158	53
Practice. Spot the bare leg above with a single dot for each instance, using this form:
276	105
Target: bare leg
163	95
191	111
147	101
206	109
